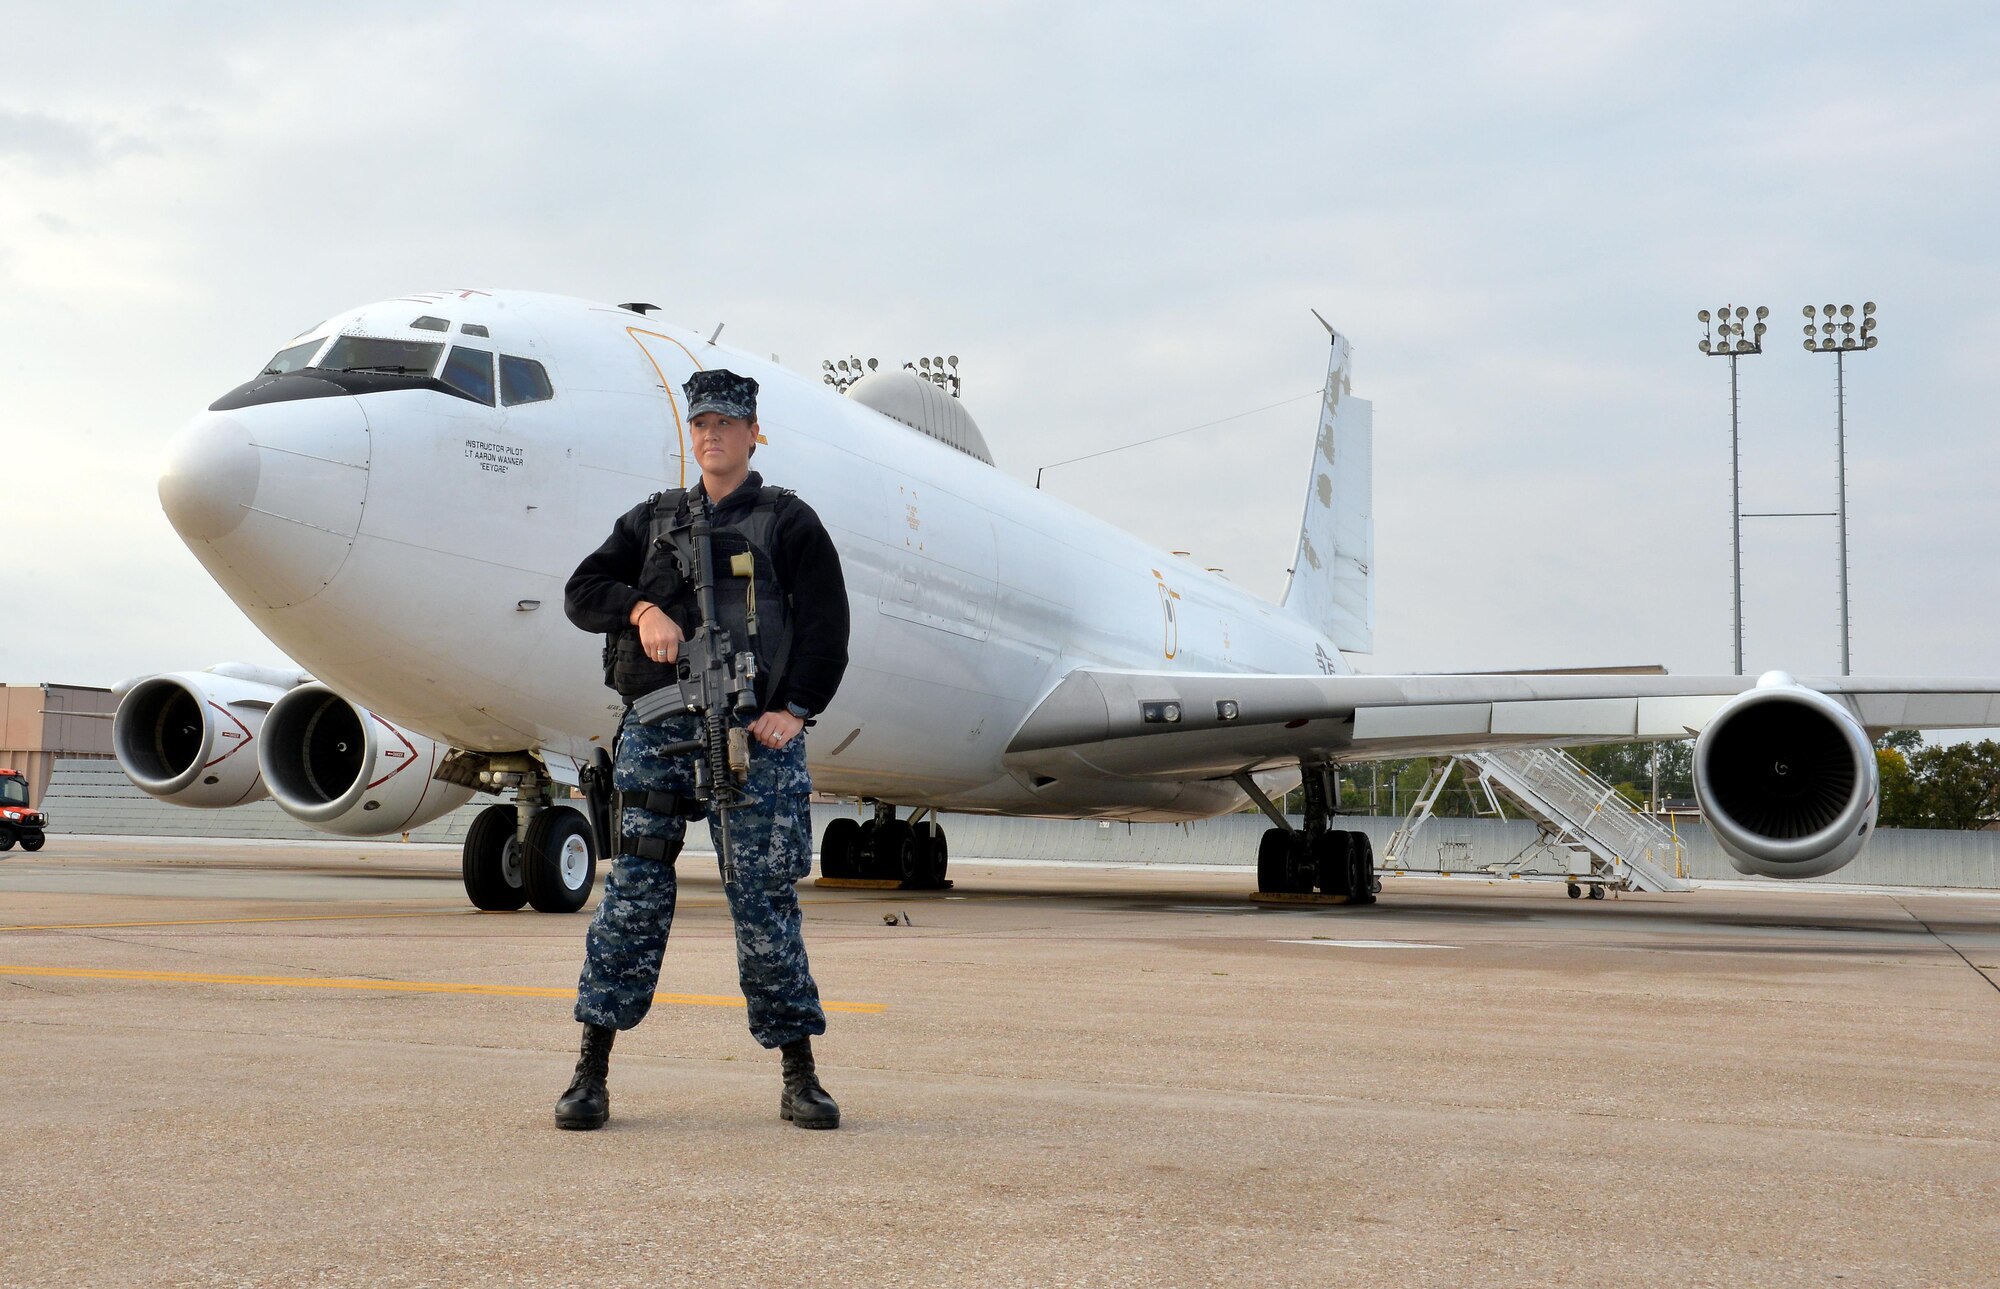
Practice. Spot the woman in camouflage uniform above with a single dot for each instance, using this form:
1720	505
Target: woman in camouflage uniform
631	590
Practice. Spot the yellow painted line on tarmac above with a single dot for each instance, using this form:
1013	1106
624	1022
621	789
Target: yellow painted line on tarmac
313	917
384	986
365	917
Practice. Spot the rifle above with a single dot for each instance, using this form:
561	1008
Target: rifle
716	679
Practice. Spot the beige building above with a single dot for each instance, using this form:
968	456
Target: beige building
39	723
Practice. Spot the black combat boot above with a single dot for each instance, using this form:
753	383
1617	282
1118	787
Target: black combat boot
587	1104
805	1102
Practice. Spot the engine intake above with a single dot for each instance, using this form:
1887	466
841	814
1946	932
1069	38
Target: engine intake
1787	780
187	737
343	769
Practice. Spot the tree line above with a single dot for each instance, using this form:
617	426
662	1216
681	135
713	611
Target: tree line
1942	785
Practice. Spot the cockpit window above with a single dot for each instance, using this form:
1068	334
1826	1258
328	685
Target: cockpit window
292	359
395	357
474	329
13	792
428	323
470	372
523	380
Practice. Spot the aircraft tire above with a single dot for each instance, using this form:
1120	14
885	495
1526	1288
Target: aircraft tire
561	864
483	862
1332	868
935	852
1361	859
896	854
838	848
1272	850
1300	870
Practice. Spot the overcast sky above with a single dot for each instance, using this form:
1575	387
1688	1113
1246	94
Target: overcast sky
1118	217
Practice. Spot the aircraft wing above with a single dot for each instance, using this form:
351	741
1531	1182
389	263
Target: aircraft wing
1175	725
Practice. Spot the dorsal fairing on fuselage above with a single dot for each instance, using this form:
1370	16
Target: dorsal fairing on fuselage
906	397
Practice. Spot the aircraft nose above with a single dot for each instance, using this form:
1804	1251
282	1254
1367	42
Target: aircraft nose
210	477
269	497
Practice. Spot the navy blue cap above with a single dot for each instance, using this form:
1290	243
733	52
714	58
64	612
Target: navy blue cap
721	391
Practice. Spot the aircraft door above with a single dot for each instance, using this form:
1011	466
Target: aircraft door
669	363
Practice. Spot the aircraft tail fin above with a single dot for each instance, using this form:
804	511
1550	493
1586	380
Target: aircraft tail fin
1332	584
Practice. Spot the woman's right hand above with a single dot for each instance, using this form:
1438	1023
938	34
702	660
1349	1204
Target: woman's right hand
658	635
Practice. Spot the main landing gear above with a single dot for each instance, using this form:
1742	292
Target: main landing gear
1318	857
532	852
886	848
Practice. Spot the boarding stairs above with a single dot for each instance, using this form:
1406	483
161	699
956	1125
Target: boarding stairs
1594	835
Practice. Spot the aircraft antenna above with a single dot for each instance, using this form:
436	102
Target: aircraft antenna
1124	447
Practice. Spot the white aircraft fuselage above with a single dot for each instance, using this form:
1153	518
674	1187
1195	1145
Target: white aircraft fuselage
409	548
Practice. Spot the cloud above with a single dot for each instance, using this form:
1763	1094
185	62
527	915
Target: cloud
56	145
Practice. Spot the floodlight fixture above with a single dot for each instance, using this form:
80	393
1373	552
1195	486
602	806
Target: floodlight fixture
842	373
1726	334
933	368
1837	332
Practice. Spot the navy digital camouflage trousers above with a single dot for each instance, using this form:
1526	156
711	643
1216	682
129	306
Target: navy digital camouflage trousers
771	846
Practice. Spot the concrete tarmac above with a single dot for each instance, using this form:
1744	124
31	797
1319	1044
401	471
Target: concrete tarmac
258	1063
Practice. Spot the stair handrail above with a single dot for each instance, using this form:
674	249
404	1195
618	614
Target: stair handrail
1581	799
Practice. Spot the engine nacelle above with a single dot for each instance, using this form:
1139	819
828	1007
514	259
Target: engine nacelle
186	737
343	769
1787	780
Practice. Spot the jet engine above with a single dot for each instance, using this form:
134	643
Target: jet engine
343	769
186	737
1787	780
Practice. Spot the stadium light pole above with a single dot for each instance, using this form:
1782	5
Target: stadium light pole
1841	338
1724	337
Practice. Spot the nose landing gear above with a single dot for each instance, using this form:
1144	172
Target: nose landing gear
533	852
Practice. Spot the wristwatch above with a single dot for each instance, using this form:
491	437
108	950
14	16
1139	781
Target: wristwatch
797	710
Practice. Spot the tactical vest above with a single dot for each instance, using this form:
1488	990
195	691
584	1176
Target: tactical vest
746	530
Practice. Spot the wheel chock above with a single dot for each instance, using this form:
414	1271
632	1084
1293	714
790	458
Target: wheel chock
1288	897
877	884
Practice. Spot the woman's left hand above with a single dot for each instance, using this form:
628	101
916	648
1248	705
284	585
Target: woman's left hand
775	729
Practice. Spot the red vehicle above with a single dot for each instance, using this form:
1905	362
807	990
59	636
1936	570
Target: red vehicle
17	822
